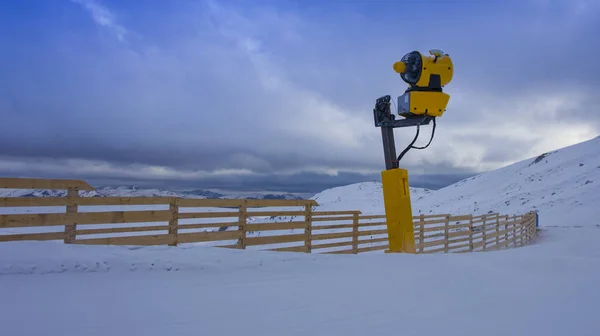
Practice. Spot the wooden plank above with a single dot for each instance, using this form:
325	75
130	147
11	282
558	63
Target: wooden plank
458	234
91	201
326	219
275	226
461	240
442	216
486	215
372	241
266	240
211	214
148	240
207	225
372	216
457	247
32	201
371	232
435	243
280	203
339	252
459	226
121	230
434	228
210	203
331	227
46	184
234	246
84	201
300	248
335	213
236	203
435	221
372	224
274	213
441	249
52	219
197	237
32	236
325	236
329	245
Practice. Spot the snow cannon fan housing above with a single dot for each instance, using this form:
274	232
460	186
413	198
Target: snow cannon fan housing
425	76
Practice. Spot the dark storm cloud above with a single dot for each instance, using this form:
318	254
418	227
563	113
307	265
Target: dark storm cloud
272	92
303	182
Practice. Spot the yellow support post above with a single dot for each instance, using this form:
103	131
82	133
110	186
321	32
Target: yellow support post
398	211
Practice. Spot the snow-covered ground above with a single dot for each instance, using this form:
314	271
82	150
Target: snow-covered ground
548	288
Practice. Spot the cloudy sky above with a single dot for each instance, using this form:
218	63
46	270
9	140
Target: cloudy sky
278	95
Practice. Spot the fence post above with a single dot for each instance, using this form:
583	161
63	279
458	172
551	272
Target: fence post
524	220
308	228
446	233
471	233
483	235
72	208
534	229
497	231
174	222
242	220
355	219
422	233
514	230
505	230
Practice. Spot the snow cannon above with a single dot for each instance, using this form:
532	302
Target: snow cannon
420	104
425	76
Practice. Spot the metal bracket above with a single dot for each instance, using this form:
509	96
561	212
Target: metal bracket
383	118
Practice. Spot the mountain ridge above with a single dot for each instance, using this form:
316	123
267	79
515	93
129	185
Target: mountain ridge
133	191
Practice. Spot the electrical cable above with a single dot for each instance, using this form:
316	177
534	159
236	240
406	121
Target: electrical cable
411	146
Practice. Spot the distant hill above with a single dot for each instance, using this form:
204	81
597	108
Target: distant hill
133	191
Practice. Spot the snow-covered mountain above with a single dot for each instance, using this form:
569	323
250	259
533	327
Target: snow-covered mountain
133	191
364	196
562	185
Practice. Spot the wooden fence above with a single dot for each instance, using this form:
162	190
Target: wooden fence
276	225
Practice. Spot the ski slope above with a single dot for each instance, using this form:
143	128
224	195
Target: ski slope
548	288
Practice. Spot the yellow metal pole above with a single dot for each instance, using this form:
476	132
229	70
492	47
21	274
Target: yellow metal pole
398	212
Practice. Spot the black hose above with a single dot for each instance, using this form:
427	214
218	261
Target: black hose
413	142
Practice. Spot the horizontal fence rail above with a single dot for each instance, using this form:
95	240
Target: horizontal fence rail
275	225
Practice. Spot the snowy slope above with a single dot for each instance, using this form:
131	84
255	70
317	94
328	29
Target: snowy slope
365	196
563	185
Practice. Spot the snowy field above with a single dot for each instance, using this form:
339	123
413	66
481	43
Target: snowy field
548	288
